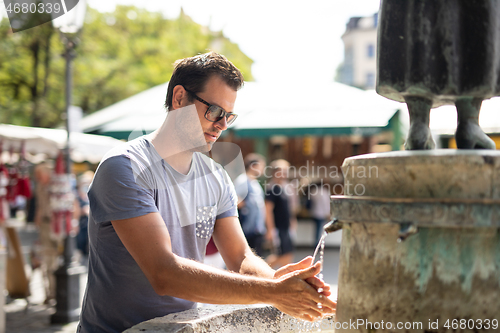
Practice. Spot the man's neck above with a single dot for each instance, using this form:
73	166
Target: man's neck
164	143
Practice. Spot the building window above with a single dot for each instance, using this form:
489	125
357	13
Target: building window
370	80
370	51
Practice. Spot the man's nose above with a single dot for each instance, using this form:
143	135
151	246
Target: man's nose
221	124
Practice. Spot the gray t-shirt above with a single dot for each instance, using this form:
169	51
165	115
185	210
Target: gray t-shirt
131	181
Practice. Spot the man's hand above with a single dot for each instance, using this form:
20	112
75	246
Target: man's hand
297	293
303	264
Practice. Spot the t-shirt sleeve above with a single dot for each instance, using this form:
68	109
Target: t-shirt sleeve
228	203
116	193
271	195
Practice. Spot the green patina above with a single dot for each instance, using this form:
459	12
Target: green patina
453	255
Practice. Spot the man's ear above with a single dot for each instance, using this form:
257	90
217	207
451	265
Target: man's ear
179	97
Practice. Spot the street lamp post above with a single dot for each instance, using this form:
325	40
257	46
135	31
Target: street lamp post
68	274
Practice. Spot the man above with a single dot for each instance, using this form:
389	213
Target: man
251	210
155	203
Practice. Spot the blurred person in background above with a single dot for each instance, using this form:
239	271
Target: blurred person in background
319	195
49	244
83	209
251	207
279	214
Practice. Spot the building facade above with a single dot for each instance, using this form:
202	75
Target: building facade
360	52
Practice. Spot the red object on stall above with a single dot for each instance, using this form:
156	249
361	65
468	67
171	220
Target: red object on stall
13	176
4	179
61	198
23	182
60	165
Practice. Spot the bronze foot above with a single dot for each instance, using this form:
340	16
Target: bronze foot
469	134
419	135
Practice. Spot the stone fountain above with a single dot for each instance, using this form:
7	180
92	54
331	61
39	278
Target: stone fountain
421	246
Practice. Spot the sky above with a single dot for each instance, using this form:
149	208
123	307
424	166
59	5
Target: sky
288	40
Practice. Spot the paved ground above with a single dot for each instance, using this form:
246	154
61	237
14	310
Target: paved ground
35	317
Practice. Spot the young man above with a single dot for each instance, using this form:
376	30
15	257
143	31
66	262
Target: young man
155	203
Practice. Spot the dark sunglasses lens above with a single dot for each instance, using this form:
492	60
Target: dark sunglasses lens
231	118
214	113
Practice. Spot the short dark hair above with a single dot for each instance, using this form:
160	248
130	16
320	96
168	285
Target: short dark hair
193	73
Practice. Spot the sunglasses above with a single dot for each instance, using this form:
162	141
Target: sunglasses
215	113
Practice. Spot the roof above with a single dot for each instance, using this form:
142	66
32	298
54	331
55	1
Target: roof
334	108
47	141
132	110
263	109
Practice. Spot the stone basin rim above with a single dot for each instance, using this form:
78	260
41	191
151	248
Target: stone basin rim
389	200
421	212
417	155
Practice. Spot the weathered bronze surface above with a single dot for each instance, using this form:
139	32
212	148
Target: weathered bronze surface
436	52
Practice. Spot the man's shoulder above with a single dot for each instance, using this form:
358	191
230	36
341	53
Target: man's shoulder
135	155
133	147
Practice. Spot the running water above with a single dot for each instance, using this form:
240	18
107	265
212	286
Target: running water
304	326
320	248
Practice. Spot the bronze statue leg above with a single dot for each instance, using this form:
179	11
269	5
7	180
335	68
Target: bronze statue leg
419	135
469	134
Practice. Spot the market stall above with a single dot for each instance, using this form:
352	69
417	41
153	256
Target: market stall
20	148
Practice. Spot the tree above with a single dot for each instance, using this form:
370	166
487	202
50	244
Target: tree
25	63
120	54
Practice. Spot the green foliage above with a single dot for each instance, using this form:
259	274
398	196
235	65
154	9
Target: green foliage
120	54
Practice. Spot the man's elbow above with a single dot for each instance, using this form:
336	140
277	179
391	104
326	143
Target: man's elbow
161	279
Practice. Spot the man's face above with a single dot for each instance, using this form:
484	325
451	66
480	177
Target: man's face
216	92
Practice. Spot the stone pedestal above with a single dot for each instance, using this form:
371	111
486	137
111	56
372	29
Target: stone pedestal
444	276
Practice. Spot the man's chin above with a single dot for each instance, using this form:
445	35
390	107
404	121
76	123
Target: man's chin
203	149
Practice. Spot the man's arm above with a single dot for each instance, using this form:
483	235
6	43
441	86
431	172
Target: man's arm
238	256
233	246
148	241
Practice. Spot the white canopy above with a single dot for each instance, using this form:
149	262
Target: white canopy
333	105
259	106
291	107
84	147
444	119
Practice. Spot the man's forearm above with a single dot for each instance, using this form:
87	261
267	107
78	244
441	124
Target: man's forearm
291	293
256	266
202	283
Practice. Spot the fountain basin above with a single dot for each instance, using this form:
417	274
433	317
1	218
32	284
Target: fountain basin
443	278
230	319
